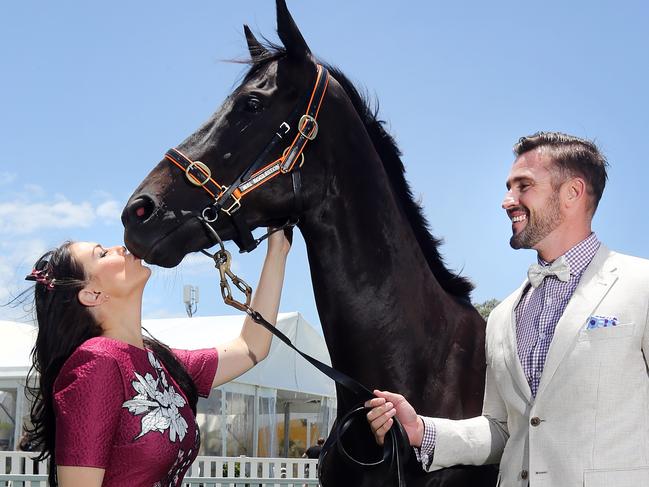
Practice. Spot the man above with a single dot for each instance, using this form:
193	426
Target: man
567	392
314	450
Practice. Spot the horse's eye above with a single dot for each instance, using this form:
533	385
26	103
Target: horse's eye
254	105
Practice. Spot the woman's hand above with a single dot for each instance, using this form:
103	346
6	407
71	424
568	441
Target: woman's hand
387	405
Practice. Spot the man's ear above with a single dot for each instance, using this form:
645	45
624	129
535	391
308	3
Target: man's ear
576	189
91	298
574	194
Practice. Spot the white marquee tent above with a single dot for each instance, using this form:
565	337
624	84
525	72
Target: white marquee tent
240	417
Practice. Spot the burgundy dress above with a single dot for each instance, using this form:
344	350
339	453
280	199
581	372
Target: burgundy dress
118	408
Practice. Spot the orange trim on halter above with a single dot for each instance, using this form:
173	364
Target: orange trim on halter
308	109
321	99
207	175
255	186
315	87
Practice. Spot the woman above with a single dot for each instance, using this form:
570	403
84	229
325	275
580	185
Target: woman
114	408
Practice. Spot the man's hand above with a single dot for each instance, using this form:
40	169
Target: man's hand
387	405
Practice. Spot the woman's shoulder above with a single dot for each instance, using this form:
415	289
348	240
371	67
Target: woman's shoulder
96	357
99	349
102	345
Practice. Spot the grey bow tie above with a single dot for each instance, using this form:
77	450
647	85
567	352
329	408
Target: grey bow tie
560	268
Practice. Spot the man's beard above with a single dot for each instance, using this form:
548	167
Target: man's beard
539	225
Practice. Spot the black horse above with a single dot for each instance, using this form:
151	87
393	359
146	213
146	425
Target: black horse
394	317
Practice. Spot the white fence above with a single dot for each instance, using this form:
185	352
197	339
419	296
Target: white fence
18	469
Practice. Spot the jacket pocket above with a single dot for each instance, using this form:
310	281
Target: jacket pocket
619	331
631	477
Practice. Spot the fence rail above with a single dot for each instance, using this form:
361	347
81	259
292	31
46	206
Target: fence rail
19	469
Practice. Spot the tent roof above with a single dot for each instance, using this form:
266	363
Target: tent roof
283	369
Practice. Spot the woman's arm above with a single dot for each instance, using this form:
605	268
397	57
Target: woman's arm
80	476
253	344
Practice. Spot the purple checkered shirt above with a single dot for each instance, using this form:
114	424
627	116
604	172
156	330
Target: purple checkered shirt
537	314
539	310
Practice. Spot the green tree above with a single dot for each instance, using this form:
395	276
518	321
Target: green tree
487	307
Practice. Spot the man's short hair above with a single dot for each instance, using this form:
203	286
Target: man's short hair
573	157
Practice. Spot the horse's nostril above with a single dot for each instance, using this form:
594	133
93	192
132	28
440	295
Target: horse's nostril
139	209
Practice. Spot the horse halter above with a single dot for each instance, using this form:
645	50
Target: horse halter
227	199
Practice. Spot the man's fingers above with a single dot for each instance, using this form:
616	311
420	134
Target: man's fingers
389	396
382	412
378	411
379	422
382	431
377	401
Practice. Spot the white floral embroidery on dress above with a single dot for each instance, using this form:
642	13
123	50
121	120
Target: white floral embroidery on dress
159	402
181	465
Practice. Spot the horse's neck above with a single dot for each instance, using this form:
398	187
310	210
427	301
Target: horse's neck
371	281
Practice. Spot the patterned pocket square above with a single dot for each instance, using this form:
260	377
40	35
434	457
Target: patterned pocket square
600	322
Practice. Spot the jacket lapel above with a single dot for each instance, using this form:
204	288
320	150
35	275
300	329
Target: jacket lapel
511	347
595	283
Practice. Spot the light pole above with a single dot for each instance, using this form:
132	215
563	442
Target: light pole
190	298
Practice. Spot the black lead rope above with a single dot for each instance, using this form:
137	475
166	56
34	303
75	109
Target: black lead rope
396	448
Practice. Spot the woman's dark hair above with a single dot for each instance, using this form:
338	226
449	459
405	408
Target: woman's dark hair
63	325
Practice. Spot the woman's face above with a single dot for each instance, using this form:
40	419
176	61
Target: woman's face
110	270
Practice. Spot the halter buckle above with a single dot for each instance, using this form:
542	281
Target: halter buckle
234	206
285	128
305	120
203	168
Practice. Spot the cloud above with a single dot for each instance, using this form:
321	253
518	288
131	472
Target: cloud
110	211
16	259
20	218
6	279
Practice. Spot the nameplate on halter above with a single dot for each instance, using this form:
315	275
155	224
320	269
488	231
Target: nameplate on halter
259	177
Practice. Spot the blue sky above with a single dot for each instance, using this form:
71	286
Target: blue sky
92	95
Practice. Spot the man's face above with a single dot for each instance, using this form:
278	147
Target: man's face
532	202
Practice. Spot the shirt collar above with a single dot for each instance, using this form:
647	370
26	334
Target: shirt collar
579	256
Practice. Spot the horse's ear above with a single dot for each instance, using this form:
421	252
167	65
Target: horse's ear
289	33
257	51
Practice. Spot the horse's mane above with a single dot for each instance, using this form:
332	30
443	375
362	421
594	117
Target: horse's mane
390	155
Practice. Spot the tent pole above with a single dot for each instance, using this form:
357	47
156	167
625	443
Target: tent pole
224	431
20	405
287	429
255	424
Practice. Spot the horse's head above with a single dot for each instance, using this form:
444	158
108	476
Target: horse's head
259	122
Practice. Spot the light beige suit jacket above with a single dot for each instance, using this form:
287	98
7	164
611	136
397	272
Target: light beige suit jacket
589	423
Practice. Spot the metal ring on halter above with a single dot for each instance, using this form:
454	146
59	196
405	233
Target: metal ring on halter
205	214
283	164
203	168
304	119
